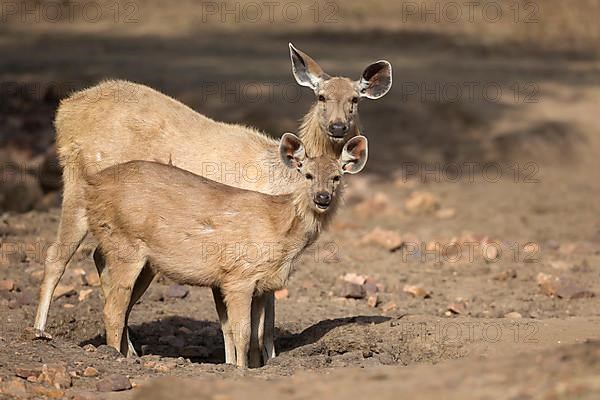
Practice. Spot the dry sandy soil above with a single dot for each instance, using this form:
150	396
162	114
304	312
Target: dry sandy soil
484	329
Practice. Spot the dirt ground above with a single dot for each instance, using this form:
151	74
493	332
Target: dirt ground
503	270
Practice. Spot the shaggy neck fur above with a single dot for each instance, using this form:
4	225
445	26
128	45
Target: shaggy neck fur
311	222
316	140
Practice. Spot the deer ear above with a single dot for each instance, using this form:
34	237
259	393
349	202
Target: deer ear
376	80
306	70
354	155
291	151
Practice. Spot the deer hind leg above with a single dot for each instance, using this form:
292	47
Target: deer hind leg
257	323
228	340
239	305
141	285
72	230
269	327
124	274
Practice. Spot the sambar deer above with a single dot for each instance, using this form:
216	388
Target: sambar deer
154	217
118	121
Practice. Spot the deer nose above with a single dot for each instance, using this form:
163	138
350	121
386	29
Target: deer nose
322	199
338	129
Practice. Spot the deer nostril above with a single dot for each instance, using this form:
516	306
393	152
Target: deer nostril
338	128
322	198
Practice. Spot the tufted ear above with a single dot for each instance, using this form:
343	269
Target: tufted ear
376	80
306	70
354	155
291	151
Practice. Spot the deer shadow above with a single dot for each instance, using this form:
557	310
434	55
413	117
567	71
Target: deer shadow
202	341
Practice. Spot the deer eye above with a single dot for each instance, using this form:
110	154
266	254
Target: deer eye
355	100
336	178
309	177
321	97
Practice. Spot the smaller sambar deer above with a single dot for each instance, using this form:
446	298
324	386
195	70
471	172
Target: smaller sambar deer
159	218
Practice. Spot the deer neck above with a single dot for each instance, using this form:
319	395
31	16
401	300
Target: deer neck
306	223
316	140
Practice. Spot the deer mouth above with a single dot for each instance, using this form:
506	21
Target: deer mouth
322	205
337	136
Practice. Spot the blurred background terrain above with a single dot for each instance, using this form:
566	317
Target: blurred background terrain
506	85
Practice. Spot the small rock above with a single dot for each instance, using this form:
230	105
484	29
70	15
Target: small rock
159	366
84	396
16	388
490	252
445	213
90	372
370	288
416	291
90	348
281	294
92	280
389	240
457	308
113	383
84	293
354	278
7	284
53	393
389	307
570	291
64	290
26	372
177	291
55	375
349	290
513	315
372	300
548	283
505	275
421	203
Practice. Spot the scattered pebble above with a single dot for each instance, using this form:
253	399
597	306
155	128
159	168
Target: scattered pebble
7	284
505	275
348	290
416	291
90	348
84	293
113	383
513	315
92	280
90	372
354	278
177	291
64	290
55	375
457	308
421	203
372	300
387	239
281	294
563	288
